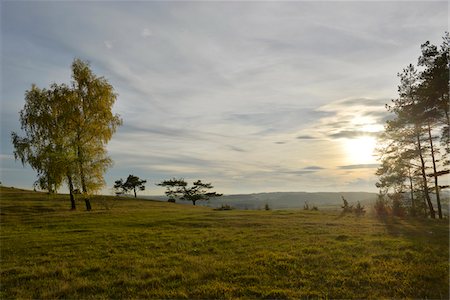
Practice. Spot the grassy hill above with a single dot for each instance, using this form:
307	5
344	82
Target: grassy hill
285	200
152	249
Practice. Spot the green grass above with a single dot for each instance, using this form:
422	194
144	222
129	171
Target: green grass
147	249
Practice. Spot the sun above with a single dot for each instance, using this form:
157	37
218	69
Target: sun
360	150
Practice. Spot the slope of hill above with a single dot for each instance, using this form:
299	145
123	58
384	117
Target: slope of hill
136	249
284	200
292	199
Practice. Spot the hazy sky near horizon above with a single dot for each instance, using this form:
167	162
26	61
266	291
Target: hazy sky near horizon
251	96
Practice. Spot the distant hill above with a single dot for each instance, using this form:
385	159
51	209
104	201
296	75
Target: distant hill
283	200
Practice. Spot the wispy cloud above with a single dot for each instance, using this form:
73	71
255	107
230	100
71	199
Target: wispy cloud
313	168
145	33
108	44
348	118
359	166
351	134
259	100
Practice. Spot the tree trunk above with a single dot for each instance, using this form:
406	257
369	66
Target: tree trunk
411	189
424	179
193	202
436	185
72	198
88	204
134	193
83	180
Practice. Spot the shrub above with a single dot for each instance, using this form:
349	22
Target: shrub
381	207
397	207
306	206
266	207
359	210
105	202
224	207
346	208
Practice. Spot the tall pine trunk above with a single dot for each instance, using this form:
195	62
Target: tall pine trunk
411	189
72	198
436	185
424	178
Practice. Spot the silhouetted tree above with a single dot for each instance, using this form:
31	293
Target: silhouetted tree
174	188
132	183
178	189
420	112
359	209
119	187
346	208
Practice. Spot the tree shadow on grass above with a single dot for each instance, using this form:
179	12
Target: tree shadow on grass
420	230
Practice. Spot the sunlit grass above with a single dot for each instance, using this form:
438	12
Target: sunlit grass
146	249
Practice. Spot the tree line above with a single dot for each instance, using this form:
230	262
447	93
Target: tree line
415	143
176	189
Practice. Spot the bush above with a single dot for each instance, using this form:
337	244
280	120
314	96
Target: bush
105	202
224	207
266	207
397	207
359	210
306	206
381	207
346	208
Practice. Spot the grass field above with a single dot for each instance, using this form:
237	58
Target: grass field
147	249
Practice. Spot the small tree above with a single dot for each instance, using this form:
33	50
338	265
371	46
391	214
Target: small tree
306	206
177	189
397	207
359	209
199	191
381	207
132	183
346	208
174	188
119	187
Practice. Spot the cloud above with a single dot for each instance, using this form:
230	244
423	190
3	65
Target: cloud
355	102
108	44
306	137
300	172
237	149
145	33
350	134
206	91
303	171
359	166
348	118
313	168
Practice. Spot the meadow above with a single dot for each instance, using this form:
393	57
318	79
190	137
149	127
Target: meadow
127	248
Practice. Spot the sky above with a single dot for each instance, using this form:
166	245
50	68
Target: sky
250	96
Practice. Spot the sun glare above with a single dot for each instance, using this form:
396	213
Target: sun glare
360	150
